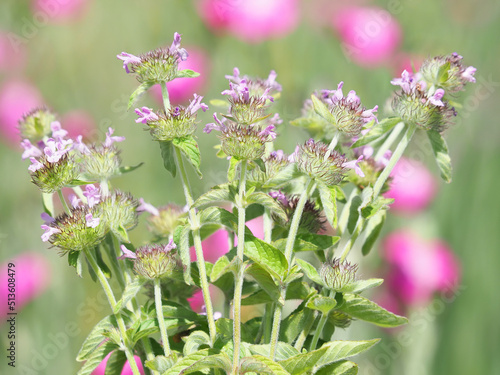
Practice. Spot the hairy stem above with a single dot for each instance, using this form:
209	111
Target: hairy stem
390	140
318	331
63	202
161	320
310	319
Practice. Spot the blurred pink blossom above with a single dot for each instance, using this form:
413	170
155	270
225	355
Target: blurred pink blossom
369	35
59	10
403	61
180	90
16	98
12	56
413	187
418	267
32	277
79	122
251	21
100	370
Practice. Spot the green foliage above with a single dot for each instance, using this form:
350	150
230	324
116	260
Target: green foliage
189	148
378	130
168	156
440	150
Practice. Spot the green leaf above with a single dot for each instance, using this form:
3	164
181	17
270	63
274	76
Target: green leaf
261	365
361	285
167	153
440	150
354	213
315	125
283	177
377	131
303	363
75	260
187	73
267	256
130	292
339	368
96	357
328	197
293	324
123	170
340	350
160	363
265	280
321	303
189	148
194	341
321	109
115	363
295	290
231	171
95	338
221	267
102	265
219	216
340	193
48	204
380	203
308	242
185	363
138	93
150	326
372	231
310	271
216	195
271	204
184	253
283	350
361	308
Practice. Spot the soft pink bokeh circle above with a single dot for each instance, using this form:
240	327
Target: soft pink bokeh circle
59	10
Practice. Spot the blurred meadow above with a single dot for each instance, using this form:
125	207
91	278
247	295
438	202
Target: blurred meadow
66	59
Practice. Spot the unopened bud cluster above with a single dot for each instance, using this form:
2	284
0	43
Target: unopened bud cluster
337	274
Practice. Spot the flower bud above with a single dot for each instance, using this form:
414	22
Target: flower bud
340	319
52	177
118	210
336	274
311	220
155	261
370	167
35	125
169	217
447	72
101	162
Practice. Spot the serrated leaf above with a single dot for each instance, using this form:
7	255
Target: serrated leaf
95	338
340	350
310	271
187	73
359	286
115	363
96	357
138	93
374	207
216	195
261	365
193	342
130	292
267	256
339	368
283	177
328	197
219	216
265	281
303	363
308	242
48	204
75	260
221	267
231	171
160	363
377	131
268	202
296	290
189	147
168	156
293	324
283	350
150	326
123	170
354	213
440	150
372	231
321	109
362	308
321	303
183	365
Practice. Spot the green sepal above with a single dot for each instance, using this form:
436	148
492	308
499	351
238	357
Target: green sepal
168	155
187	73
138	93
377	131
363	309
75	260
123	170
189	147
115	363
440	149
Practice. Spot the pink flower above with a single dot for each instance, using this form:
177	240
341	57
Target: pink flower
419	268
369	35
79	122
16	98
32	277
100	370
182	89
12	55
251	21
413	187
57	11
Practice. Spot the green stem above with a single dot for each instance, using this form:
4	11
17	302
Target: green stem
292	233
200	260
344	215
63	201
112	303
394	159
240	276
268	226
390	140
318	331
310	319
161	320
164	93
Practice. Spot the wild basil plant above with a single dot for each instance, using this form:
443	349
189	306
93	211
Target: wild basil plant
335	180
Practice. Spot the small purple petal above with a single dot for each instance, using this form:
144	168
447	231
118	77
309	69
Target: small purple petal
91	222
127	253
47	218
92	194
49	231
35	165
110	140
170	246
145	114
57	131
127	58
436	98
30	150
75	201
353	164
468	74
146	207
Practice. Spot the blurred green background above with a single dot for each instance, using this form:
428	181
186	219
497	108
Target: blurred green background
73	64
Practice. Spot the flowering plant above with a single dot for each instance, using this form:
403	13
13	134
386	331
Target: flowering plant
347	161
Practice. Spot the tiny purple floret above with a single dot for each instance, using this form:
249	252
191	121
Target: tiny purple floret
353	164
92	194
127	58
147	207
30	150
127	253
91	221
49	231
145	114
